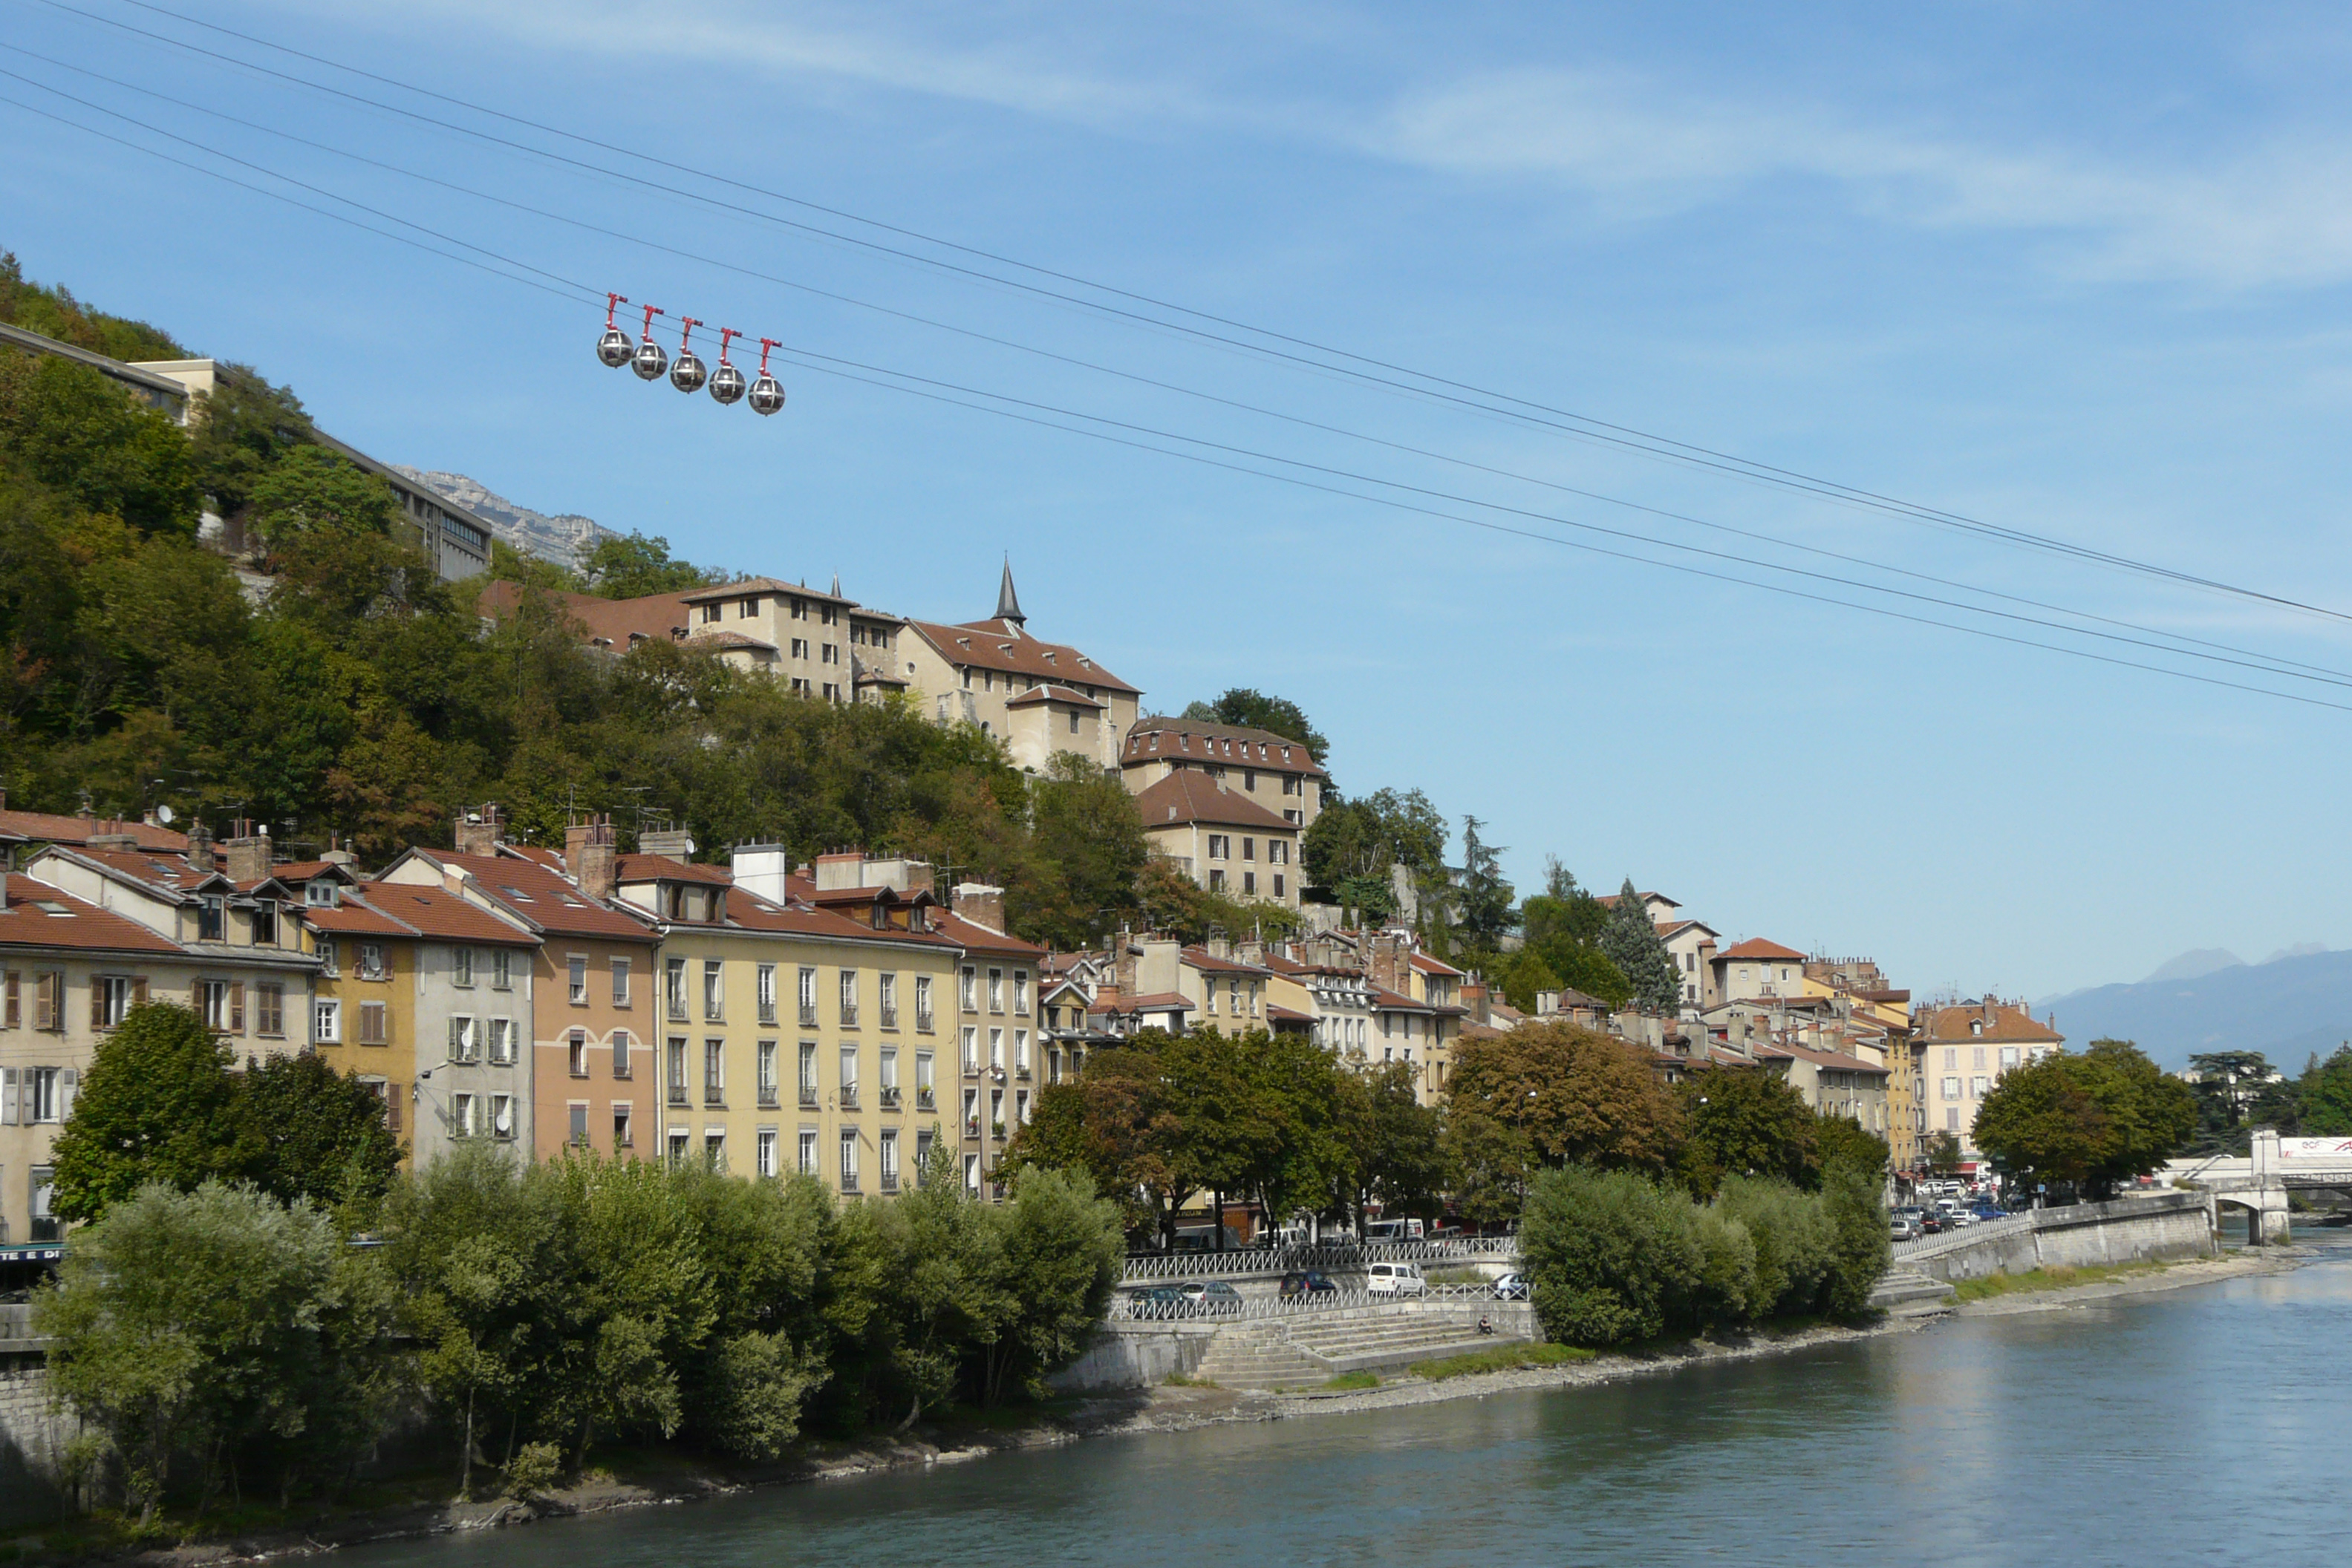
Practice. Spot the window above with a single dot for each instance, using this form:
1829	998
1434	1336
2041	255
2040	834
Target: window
1952	1056
578	968
502	970
2008	1056
967	990
674	1078
678	1148
1977	1053
578	1130
212	919
1976	1087
674	989
767	1151
767	993
886	997
1220	846
808	1151
714	991
770	1089
800	648
327	1022
12	1000
714	1073
375	1024
49	1002
331	956
808	997
212	1005
996	991
1278	851
43	1101
711	612
1020	1107
924	1091
624	1063
1249	849
1249	882
44	1215
923	1003
502	1042
264	923
576	1052
462	1044
849	1159
373	965
832	652
1021	1051
971	1113
996	1049
849	999
1216	880
996	1114
269	1008
622	1136
889	1083
889	1162
318	895
1952	1121
461	966
503	1123
1021	992
620	982
849	1078
971	1050
461	1116
1277	884
971	1175
808	1074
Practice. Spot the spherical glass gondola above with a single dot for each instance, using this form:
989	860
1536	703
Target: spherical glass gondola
688	374
651	361
767	395
614	348
726	384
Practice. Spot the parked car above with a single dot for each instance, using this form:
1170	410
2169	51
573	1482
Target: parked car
1932	1222
1990	1211
1903	1227
1158	1302
1511	1287
1395	1279
1392	1230
1304	1282
1211	1298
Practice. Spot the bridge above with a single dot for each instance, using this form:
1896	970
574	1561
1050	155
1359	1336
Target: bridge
2259	1182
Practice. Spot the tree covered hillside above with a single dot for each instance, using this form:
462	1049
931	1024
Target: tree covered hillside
347	690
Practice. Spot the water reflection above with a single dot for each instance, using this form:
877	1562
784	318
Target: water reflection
2205	1425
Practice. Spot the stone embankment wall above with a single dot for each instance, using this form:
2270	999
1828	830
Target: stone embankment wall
2129	1230
1143	1354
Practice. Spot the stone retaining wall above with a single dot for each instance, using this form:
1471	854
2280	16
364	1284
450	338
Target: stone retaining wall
30	1435
2129	1230
1127	1356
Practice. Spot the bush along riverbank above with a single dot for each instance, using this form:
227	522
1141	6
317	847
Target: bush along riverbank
225	1351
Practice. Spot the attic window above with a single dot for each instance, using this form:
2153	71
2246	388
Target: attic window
515	892
1085	662
60	910
1049	656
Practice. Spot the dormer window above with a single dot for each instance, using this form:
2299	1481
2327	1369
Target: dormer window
212	919
320	895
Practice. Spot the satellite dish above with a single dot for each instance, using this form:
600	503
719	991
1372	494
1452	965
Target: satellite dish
163	815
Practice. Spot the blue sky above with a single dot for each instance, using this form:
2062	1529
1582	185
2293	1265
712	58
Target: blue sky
2079	271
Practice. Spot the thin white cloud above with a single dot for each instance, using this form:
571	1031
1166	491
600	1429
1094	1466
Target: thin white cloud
2270	216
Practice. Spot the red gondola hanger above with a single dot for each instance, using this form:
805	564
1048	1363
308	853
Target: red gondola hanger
614	347
726	381
687	375
767	394
650	360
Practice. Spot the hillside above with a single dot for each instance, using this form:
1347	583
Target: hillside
2286	1008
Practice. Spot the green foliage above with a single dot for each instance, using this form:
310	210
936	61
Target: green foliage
1844	1141
1616	1257
1168	900
1633	944
1363	838
1563	926
193	1328
2086	1121
56	313
1575	1096
161	1103
1256	710
633	565
1740	1122
1502	1358
243	428
1940	1152
65	425
2323	1095
1483	902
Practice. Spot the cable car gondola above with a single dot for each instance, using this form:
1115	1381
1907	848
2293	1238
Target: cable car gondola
726	381
687	375
650	362
614	347
767	394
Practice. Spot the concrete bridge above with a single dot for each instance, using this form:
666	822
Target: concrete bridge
2259	1183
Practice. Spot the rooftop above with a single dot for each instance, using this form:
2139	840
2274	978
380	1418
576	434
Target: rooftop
1192	796
1192	739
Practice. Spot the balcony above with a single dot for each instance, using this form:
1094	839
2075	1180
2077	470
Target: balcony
769	1099
808	1014
713	1097
923	1021
849	1181
768	1011
889	1019
676	1096
972	1127
925	1099
889	1101
808	1096
971	1070
850	1015
890	1181
849	1096
1022	1073
996	1131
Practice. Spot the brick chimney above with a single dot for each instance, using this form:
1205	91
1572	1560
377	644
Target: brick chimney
588	854
478	832
980	903
200	847
1386	956
247	857
1122	957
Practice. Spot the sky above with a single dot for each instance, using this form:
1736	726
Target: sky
2078	273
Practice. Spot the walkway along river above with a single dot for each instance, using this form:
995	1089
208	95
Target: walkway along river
2207	1425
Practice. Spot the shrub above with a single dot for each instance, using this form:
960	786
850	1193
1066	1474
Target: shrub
1613	1257
534	1471
1792	1241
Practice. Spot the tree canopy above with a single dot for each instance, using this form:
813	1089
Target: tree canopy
1630	941
1254	709
2085	1120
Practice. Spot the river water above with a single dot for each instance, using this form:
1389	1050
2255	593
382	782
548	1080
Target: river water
2207	1425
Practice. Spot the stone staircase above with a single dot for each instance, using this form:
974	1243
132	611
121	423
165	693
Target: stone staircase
1303	1351
1907	1292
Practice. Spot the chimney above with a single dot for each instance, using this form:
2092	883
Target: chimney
478	832
588	855
1220	947
670	844
761	869
841	868
980	903
114	840
200	847
1122	957
338	853
1385	962
247	857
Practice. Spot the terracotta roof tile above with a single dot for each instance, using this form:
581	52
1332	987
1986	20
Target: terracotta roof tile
992	645
663	868
1192	796
1758	947
547	901
1051	692
438	913
39	916
1200	740
43	827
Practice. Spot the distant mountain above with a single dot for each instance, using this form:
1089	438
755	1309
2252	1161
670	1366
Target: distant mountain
564	540
2286	1008
2198	961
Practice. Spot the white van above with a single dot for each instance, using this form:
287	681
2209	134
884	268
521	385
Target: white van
1394	1279
1392	1230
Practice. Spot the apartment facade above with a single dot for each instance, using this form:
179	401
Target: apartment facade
799	634
1966	1047
1271	770
1222	840
1757	970
971	672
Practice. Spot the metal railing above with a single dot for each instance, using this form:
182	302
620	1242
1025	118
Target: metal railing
1145	1266
1962	1234
1127	1308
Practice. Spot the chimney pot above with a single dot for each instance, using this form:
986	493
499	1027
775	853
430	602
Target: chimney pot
588	854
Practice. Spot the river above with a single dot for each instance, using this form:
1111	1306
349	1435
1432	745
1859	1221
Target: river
2207	1425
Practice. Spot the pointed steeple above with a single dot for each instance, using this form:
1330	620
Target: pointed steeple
836	585
1008	603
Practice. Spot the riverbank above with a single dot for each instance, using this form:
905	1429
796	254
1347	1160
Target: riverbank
641	1479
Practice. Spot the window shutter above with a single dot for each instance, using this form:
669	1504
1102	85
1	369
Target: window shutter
97	1002
391	1108
196	998
236	1006
457	1038
68	1082
139	991
7	1096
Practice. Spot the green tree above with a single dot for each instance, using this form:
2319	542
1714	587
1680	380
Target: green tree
241	429
1255	710
1844	1141
1613	1255
1484	901
1632	942
159	1104
2086	1121
1740	1122
315	1133
634	565
70	427
1526	975
1578	1097
1941	1152
2323	1095
1062	1252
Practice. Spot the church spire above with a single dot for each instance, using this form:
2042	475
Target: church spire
1008	603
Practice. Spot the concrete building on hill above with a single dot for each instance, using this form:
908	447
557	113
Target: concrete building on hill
1042	698
1222	840
1273	770
1965	1046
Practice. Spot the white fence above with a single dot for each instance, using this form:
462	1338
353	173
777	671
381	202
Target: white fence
1127	1308
1965	1235
1143	1267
